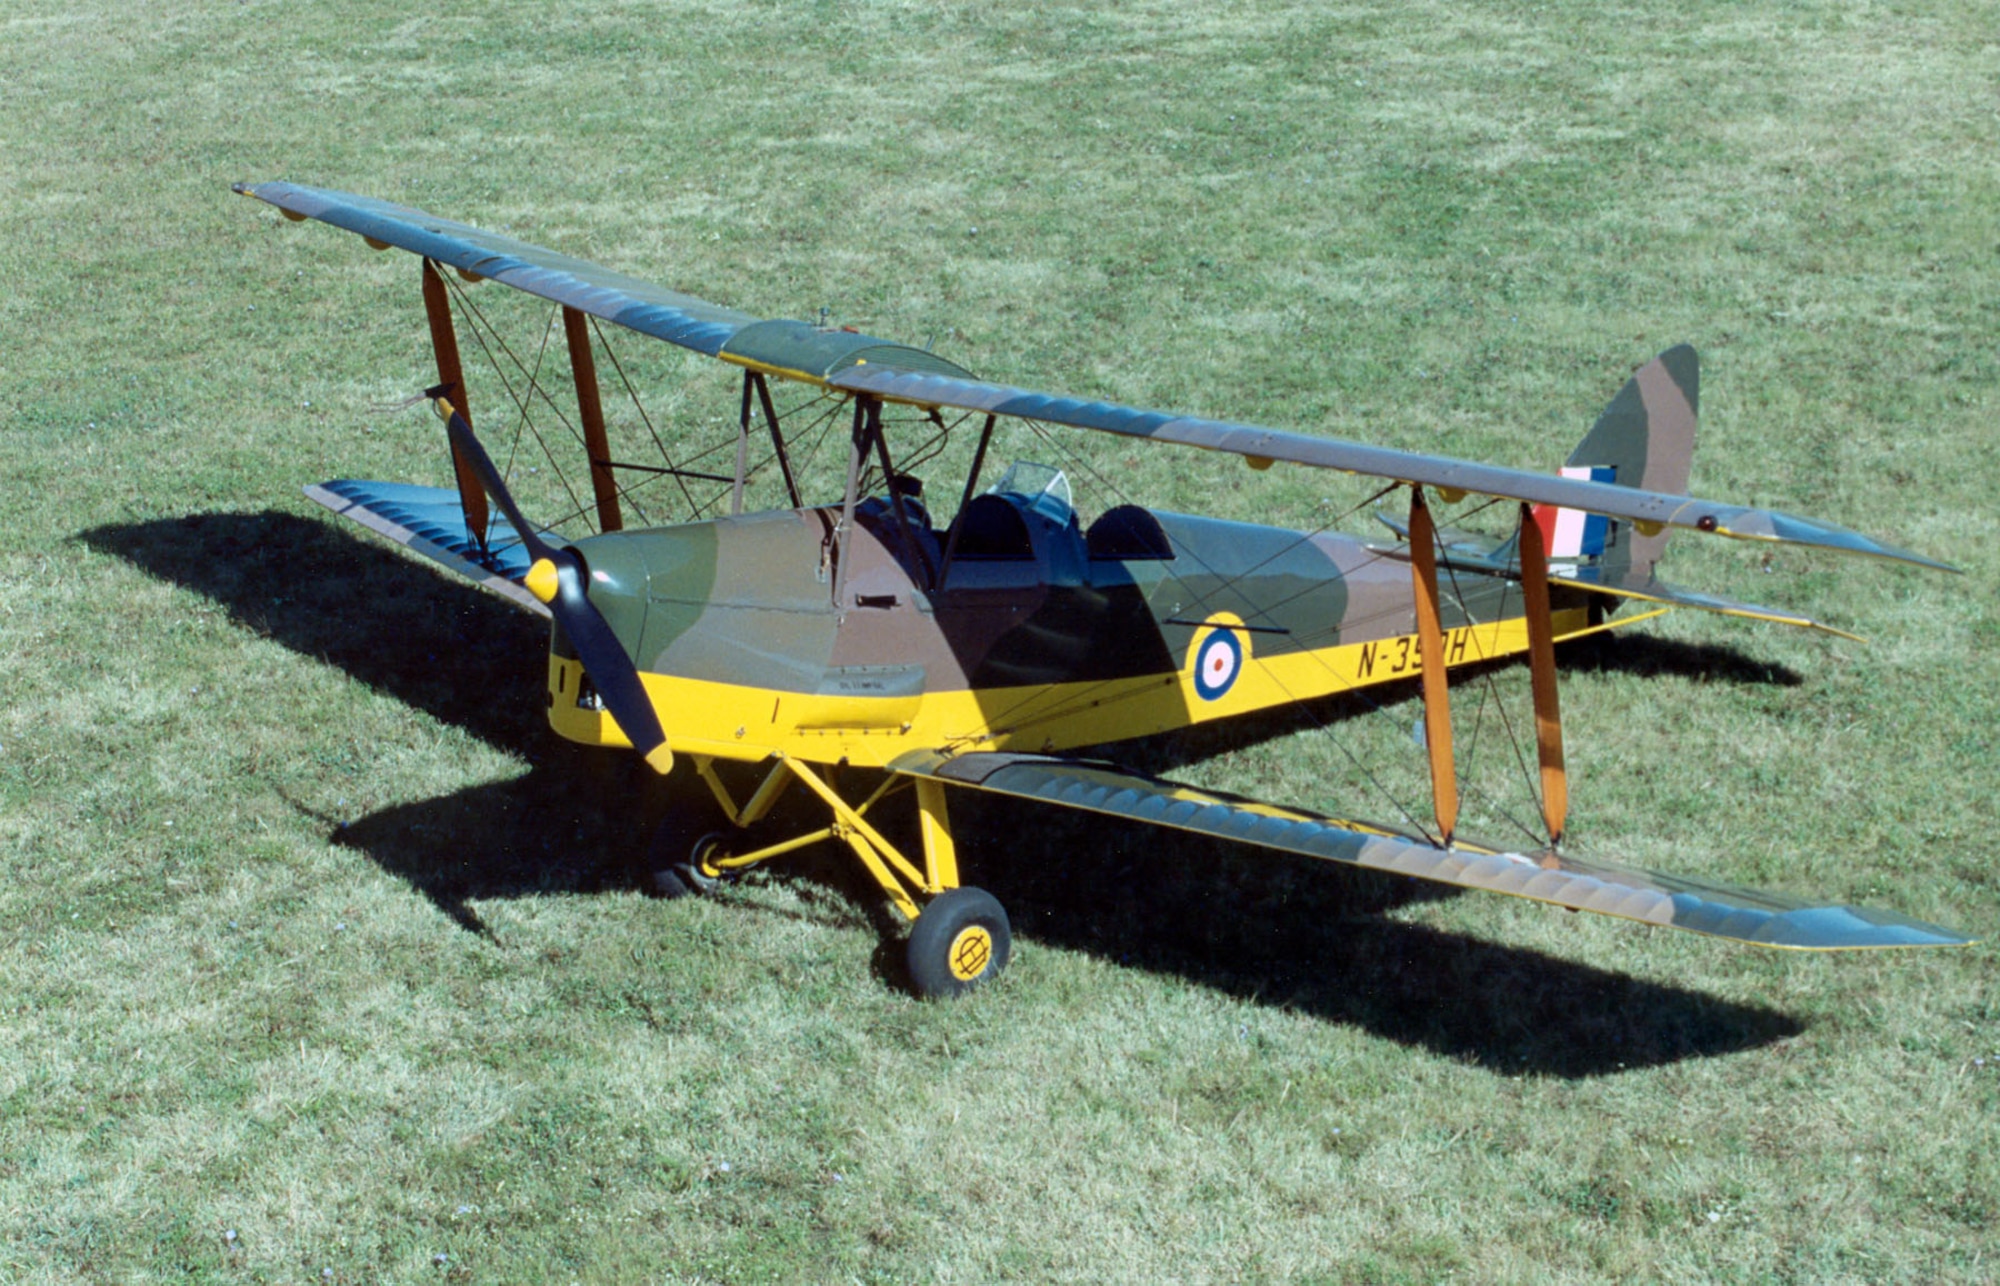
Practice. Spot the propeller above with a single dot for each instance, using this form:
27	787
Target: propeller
557	579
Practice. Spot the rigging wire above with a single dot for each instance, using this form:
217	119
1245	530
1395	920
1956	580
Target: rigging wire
645	419
1224	583
1465	780
524	425
479	333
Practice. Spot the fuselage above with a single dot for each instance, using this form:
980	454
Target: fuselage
1021	631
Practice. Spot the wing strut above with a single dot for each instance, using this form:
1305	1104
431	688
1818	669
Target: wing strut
1542	674
590	410
742	453
444	341
1430	648
857	455
777	435
897	508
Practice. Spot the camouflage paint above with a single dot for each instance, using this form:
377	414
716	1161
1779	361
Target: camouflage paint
734	626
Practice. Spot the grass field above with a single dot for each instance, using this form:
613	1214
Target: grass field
316	959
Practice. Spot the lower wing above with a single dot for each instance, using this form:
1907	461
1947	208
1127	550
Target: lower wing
1767	919
431	522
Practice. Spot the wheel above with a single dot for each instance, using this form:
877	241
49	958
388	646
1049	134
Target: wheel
671	866
960	940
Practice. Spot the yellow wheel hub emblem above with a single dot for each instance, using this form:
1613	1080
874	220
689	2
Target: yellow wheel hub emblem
971	951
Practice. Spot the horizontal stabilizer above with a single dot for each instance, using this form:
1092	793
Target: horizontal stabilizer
1647	589
1469	551
1766	919
429	521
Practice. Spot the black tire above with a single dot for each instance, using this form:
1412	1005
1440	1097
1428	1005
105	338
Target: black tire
960	941
671	865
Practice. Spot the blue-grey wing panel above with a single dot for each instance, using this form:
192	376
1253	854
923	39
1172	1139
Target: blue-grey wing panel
628	301
1257	443
429	521
1747	915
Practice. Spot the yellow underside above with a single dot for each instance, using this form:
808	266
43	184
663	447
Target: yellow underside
732	721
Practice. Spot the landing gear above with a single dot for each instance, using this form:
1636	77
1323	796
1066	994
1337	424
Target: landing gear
961	940
960	937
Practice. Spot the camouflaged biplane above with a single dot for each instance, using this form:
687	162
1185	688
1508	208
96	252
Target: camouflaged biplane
972	650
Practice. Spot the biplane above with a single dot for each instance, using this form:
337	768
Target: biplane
865	648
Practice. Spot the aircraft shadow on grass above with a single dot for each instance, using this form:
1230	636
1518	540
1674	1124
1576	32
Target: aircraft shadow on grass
1284	930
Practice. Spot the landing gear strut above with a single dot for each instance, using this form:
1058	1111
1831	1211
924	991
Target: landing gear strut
960	937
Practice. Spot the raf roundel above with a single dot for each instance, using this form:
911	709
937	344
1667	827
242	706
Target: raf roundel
1217	663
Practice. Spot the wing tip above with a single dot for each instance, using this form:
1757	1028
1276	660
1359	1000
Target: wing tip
1825	928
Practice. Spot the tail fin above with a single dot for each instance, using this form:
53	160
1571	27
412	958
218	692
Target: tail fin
1644	438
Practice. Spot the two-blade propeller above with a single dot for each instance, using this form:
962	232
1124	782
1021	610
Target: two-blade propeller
557	579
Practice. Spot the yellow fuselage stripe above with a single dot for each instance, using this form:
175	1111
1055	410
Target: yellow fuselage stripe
734	721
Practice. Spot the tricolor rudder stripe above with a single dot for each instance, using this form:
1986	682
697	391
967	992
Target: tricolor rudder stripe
1573	533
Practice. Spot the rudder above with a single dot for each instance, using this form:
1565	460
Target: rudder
1645	439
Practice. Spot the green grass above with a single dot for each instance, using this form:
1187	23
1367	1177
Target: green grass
316	962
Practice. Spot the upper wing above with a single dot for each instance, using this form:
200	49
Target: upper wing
864	364
1768	919
1262	445
632	303
794	349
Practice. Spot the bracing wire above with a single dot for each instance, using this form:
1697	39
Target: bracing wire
1224	583
633	394
479	333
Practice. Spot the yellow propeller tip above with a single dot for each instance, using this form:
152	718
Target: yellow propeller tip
542	581
661	759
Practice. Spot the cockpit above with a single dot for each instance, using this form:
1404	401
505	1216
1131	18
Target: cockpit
1025	524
